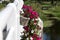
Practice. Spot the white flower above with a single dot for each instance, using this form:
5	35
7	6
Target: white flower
31	38
25	34
32	31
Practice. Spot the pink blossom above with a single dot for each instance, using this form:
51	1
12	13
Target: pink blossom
26	28
28	8
30	11
25	6
35	22
31	16
36	37
35	14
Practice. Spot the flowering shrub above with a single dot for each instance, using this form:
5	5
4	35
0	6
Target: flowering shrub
31	31
29	12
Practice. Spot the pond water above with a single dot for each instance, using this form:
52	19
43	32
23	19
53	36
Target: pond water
46	36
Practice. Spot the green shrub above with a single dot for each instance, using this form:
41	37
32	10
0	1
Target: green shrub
5	2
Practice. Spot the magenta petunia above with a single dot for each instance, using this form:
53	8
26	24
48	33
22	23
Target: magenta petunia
31	16
25	6
36	37
30	11
35	22
26	28
29	7
35	14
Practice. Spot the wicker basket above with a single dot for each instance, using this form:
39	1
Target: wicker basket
24	21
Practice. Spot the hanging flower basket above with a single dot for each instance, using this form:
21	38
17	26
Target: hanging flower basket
24	21
30	22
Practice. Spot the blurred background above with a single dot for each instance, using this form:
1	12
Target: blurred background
49	12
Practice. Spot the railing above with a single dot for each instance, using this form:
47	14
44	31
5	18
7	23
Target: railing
10	17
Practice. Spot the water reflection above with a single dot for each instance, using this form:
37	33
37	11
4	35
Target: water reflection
46	36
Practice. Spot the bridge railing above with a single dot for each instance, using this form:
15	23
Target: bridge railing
10	16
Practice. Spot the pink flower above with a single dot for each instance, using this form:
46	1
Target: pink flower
29	7
25	6
31	16
26	28
36	37
35	14
30	11
35	22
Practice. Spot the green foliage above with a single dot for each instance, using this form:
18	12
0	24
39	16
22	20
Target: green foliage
11	1
23	37
5	2
1	6
53	10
